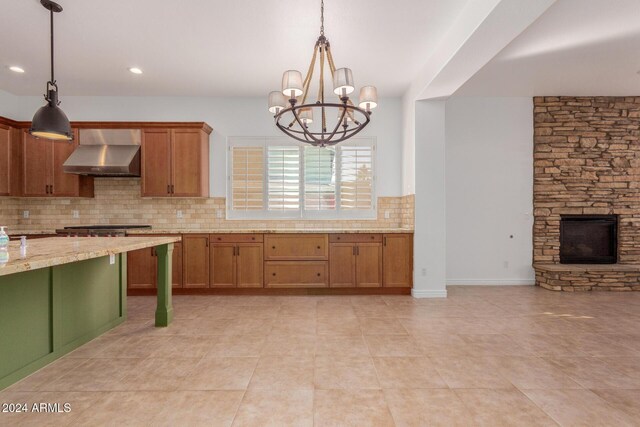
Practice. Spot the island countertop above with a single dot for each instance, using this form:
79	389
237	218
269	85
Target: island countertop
48	252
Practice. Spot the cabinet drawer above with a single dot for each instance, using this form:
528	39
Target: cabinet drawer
236	238
355	238
296	274
296	247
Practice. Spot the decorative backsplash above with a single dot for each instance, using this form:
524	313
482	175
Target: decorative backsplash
118	201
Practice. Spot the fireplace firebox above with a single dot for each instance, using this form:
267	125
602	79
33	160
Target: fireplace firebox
588	239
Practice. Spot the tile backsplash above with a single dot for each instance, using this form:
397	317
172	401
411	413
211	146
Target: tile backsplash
118	201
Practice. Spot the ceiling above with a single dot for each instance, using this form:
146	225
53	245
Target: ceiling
577	47
215	47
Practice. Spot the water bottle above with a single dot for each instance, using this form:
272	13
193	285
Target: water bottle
4	239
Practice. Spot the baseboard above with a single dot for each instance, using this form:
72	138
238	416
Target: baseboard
428	293
491	282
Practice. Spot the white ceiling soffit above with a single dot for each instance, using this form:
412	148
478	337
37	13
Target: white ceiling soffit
578	47
215	47
482	30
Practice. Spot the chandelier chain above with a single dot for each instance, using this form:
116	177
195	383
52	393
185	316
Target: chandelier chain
322	17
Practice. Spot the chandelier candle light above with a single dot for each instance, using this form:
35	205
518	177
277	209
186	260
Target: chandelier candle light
296	119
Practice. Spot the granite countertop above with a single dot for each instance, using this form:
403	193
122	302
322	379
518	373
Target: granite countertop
270	231
53	251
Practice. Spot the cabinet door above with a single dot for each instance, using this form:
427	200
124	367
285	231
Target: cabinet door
36	166
249	265
195	261
5	160
397	256
296	246
63	184
295	274
342	265
369	265
176	266
186	160
156	163
141	269
222	268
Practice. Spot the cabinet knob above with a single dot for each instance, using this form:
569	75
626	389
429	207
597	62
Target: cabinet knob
318	247
273	274
253	238
338	238
318	274
273	247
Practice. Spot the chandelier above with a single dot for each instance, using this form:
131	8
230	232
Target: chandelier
325	121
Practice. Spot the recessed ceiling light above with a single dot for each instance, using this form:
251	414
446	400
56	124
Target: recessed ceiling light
16	69
135	70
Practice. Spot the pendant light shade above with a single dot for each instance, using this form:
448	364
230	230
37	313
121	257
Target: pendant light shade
50	121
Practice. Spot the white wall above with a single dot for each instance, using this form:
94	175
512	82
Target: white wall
228	117
429	241
489	190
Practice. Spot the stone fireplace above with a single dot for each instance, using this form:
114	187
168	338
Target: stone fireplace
586	233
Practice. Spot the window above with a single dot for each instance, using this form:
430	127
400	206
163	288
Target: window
277	178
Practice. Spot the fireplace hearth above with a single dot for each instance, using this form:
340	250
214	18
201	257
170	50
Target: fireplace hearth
588	239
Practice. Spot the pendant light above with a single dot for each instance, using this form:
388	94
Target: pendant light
50	121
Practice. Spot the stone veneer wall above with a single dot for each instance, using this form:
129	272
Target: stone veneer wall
586	161
118	201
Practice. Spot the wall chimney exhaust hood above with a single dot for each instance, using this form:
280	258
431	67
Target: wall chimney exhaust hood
106	152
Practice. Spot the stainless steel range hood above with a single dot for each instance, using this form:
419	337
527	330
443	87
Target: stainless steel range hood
106	152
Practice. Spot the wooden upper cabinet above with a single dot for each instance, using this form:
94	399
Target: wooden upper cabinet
175	163
195	260
6	135
156	163
42	169
398	260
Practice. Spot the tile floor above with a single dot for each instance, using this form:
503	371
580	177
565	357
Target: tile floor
484	356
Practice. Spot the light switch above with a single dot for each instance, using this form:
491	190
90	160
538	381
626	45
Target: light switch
75	214
178	214
112	259
25	214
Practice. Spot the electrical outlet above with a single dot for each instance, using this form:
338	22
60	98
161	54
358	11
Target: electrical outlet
25	214
424	271
75	214
387	215
219	214
178	214
112	259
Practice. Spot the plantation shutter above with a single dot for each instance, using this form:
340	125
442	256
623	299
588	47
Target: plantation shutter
283	178
356	177
319	179
247	179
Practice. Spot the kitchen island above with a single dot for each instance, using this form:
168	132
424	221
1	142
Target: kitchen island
62	292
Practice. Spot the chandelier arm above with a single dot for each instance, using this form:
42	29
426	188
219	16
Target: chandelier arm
321	90
295	114
337	124
332	67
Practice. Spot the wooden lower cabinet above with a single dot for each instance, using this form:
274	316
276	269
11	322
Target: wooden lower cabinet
195	261
236	261
355	265
397	256
296	274
291	246
142	268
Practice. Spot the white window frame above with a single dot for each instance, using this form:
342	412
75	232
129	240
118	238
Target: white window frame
301	213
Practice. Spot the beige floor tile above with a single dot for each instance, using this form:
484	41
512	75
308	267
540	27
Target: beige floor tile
356	408
236	346
185	346
342	310
509	407
94	347
124	409
348	345
95	375
470	372
381	326
533	373
579	408
48	374
153	374
439	345
286	344
546	344
283	372
199	408
345	372
627	401
220	373
338	326
392	345
593	372
493	345
294	325
275	408
408	372
427	407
